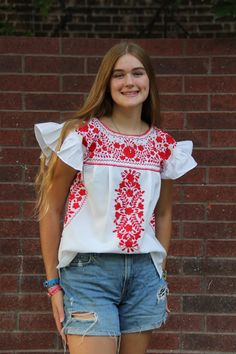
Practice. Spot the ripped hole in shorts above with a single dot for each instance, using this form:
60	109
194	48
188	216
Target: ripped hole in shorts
84	316
162	293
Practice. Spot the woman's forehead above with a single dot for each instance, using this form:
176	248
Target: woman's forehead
127	61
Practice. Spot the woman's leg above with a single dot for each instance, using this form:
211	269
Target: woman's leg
135	343
91	344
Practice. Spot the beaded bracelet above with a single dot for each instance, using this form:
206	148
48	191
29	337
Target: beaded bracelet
49	283
53	290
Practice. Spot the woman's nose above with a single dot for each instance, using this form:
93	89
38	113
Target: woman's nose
128	80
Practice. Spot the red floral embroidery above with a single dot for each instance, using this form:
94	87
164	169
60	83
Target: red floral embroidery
77	197
148	151
129	211
153	222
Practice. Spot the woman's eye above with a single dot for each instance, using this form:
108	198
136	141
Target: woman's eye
118	76
138	73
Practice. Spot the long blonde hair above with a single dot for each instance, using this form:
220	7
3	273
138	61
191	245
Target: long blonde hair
99	103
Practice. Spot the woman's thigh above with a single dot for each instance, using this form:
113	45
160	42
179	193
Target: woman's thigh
92	344
135	343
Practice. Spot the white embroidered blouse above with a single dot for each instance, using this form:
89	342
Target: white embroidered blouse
111	202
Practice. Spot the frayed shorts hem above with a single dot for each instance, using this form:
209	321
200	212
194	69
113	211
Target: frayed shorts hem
74	331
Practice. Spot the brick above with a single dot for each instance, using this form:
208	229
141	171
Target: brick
30	139
9	247
10	64
77	83
31	247
188	212
10	264
32	45
33	265
32	283
30	83
198	137
93	65
27	341
10	210
8	322
205	230
196	47
33	302
210	120
36	322
11	137
172	120
180	66
17	192
217	285
59	102
224	65
209	266
220	323
185	285
170	84
184	102
223	138
26	119
164	341
174	266
211	194
209	304
20	156
100	46
185	323
195	176
8	302
30	174
223	103
54	65
8	283
186	248
174	303
10	101
18	229
226	248
10	173
222	175
215	157
222	212
222	343
29	210
210	84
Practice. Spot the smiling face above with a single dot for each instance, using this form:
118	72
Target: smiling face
129	84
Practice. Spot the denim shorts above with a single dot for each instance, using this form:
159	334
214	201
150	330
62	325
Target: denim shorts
121	293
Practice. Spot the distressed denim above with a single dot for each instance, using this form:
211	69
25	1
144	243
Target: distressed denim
109	294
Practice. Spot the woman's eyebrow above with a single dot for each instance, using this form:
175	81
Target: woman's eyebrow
138	68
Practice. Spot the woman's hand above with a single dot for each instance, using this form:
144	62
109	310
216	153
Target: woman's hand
58	312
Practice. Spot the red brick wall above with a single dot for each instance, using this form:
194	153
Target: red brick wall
117	19
46	79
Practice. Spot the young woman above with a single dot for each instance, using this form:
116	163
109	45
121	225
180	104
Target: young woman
109	173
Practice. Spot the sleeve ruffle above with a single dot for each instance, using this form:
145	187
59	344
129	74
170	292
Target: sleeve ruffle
180	161
71	151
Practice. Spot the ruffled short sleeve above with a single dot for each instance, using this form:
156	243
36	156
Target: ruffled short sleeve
71	151
179	161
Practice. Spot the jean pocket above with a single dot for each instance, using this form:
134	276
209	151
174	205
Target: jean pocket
81	260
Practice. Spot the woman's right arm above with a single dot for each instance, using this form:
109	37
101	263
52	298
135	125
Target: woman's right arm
50	229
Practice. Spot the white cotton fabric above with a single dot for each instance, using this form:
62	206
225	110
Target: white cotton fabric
112	199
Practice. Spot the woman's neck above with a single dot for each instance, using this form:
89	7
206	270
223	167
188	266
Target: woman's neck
128	121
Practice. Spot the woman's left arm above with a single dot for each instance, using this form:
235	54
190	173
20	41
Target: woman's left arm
163	215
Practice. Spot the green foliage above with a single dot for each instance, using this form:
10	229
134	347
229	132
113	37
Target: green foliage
7	29
224	8
44	6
